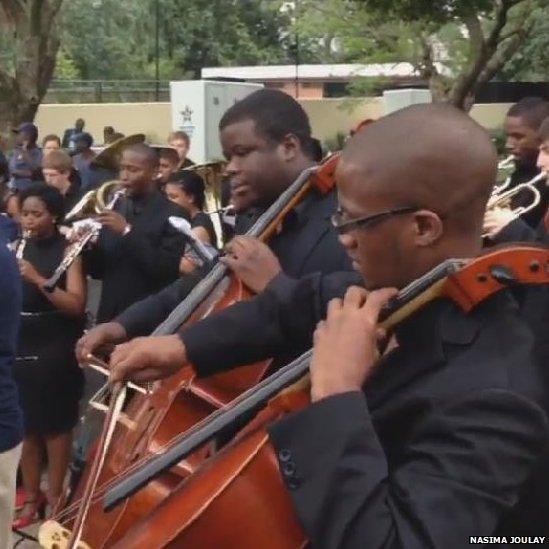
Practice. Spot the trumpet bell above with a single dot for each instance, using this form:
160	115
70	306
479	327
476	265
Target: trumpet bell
85	207
95	201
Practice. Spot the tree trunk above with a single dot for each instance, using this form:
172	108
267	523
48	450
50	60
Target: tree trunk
33	25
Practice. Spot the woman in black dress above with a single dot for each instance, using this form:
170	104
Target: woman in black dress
186	188
48	377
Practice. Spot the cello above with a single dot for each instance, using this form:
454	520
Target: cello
150	421
237	498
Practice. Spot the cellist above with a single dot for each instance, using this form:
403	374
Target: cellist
266	138
432	445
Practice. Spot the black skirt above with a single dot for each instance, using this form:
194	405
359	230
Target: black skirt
49	380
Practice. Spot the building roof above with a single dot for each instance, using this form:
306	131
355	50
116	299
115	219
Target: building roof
313	72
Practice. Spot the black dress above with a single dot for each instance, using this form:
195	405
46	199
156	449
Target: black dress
48	377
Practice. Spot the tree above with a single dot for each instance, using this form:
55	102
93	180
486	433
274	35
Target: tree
28	34
115	39
455	45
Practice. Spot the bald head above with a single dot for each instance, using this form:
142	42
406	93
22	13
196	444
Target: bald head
431	156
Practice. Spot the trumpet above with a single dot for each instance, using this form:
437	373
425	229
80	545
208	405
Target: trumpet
506	162
503	173
503	199
88	229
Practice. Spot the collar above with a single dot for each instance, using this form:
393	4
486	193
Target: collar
139	203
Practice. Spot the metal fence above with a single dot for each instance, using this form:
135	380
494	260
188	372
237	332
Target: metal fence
107	91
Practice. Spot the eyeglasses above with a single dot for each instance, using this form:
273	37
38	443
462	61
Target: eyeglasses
343	226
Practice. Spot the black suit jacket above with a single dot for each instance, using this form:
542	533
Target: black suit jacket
434	450
142	262
307	243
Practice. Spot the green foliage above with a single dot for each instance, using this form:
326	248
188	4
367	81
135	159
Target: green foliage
531	62
115	39
65	68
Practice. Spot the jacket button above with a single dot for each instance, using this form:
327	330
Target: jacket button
288	468
284	455
293	483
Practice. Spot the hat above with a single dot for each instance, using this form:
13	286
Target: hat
85	137
27	127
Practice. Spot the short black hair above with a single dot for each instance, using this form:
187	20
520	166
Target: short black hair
533	110
84	137
543	132
50	196
169	154
275	113
192	184
144	150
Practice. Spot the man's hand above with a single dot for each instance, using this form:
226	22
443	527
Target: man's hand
496	219
147	358
252	261
29	273
103	334
113	221
345	344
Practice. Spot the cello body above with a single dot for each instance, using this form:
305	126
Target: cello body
179	402
237	500
175	405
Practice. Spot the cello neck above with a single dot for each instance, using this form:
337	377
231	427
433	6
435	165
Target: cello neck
263	228
411	298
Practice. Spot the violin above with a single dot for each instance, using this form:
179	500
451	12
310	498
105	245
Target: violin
237	497
150	421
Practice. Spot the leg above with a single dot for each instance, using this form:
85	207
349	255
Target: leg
8	472
59	449
31	465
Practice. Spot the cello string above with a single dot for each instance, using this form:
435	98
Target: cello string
404	295
102	489
266	220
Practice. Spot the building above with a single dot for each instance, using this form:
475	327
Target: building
317	81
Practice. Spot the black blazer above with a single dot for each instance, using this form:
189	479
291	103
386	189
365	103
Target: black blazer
142	262
306	244
436	448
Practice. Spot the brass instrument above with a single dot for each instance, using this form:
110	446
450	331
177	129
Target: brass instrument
505	170
213	174
108	157
503	199
94	202
87	229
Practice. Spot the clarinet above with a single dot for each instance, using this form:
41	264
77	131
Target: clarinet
89	230
21	244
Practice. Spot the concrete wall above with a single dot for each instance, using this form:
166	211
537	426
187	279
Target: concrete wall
328	117
153	119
